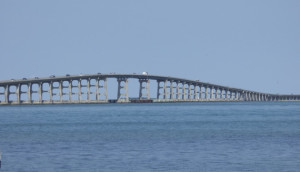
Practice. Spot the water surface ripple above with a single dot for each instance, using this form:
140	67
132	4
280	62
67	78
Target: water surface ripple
236	136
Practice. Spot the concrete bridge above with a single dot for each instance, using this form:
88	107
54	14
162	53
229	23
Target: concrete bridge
64	89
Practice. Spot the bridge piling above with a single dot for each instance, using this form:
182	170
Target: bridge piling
171	90
165	89
122	97
195	92
177	90
141	95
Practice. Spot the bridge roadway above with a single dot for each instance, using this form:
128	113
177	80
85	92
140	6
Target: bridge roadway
71	88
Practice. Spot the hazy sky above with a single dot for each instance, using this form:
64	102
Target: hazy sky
253	44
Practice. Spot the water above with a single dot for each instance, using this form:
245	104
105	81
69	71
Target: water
151	137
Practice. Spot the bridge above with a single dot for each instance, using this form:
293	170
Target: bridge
69	89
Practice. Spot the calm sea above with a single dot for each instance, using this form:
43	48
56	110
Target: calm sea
259	136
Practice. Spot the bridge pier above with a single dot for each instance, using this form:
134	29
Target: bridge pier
200	91
60	89
165	89
104	92
159	88
122	97
141	94
244	95
40	92
221	93
79	90
88	86
70	90
50	92
189	91
195	92
171	90
18	93
238	96
211	92
183	91
6	94
177	90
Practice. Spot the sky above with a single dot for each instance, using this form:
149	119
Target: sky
252	45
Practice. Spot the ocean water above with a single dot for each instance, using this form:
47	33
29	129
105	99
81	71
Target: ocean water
216	136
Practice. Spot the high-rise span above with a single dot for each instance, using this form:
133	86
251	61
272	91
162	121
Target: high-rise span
70	89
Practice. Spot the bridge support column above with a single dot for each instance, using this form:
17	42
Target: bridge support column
221	93
105	90
40	92
158	89
6	94
50	92
141	95
60	88
123	97
183	91
70	90
206	93
265	97
18	93
88	85
211	92
171	90
29	92
248	96
177	90
260	97
200	91
97	90
165	90
98	87
79	90
104	87
195	92
189	91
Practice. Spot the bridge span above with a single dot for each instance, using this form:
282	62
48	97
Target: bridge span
69	89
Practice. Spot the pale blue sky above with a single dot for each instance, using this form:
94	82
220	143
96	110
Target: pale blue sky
252	44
